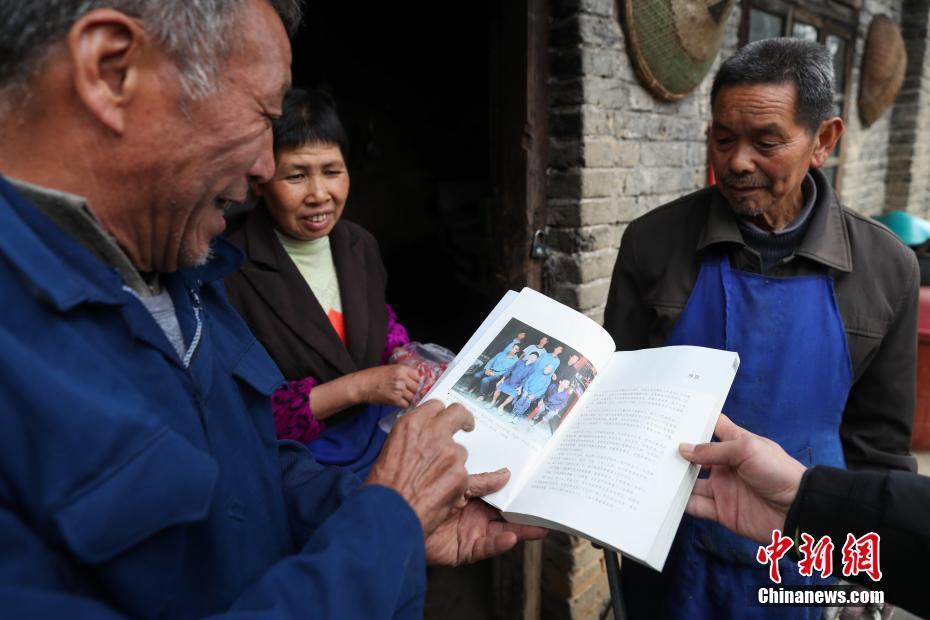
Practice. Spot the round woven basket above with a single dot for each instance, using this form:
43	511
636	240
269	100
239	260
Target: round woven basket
883	66
673	43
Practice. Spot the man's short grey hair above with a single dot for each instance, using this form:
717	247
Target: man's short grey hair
805	64
196	34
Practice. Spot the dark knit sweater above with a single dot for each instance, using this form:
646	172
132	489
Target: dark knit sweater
776	246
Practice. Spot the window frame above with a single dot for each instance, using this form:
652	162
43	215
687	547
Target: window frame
839	18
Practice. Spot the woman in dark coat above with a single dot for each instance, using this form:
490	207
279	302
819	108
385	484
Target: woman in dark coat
313	292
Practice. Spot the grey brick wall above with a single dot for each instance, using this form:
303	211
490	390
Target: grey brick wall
867	149
909	150
615	151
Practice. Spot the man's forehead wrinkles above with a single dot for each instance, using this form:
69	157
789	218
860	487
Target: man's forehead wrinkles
755	119
760	107
759	95
776	128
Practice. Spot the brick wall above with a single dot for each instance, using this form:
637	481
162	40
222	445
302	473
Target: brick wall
909	151
866	169
574	583
615	151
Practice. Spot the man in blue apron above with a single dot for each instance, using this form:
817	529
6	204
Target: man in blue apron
820	303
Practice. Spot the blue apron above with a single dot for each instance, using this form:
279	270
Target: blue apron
353	444
792	385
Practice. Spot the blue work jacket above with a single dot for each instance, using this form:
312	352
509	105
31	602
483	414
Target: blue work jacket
501	363
535	385
137	483
555	399
517	373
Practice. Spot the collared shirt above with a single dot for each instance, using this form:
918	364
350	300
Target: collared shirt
72	215
502	362
539	351
549	359
875	277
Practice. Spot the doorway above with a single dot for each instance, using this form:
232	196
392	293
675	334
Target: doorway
434	97
445	106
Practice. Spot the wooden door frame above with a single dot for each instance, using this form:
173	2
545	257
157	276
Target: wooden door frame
519	72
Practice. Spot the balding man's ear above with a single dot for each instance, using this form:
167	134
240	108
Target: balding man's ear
106	48
825	140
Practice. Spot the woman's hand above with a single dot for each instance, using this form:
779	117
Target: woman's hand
394	384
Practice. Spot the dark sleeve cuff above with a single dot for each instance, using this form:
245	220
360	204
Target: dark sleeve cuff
834	502
791	520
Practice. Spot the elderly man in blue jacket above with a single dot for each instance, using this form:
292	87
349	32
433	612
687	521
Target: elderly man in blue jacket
531	390
139	471
496	366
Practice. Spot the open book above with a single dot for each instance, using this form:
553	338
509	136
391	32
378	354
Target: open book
590	435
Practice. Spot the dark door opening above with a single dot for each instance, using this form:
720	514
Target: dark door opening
414	100
445	106
432	106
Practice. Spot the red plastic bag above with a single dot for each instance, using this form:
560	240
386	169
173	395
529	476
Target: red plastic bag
430	361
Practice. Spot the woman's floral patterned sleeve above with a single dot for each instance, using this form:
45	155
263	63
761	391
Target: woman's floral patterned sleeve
293	418
396	335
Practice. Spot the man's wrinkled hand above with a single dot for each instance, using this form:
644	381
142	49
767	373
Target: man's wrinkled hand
420	461
475	530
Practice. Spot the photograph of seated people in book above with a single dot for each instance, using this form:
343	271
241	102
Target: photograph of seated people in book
527	379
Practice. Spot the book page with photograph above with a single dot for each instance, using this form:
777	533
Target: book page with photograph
521	377
614	475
